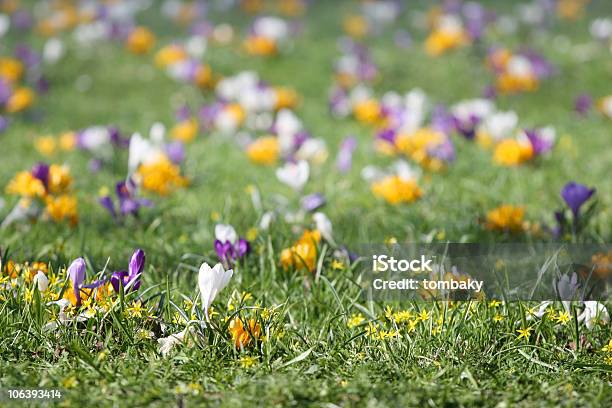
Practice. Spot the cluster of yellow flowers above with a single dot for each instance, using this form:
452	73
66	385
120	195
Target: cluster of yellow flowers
396	190
12	71
54	193
303	254
161	176
47	145
506	218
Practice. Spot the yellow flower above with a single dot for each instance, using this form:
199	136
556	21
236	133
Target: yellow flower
355	26
170	55
608	347
21	100
11	69
417	145
161	176
355	320
185	131
247	361
494	303
285	98
242	336
260	46
506	218
67	141
136	309
203	76
45	145
524	333
264	150
562	317
442	40
511	152
337	265
498	318
141	40
251	234
63	207
367	111
70	382
60	179
304	253
396	190
26	185
403	316
424	315
508	83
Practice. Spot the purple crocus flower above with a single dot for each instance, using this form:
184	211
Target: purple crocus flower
442	120
444	151
228	253
344	160
575	195
130	280
76	273
539	144
175	152
41	172
313	202
27	55
128	202
583	104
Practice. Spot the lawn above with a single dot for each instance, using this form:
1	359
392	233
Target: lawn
309	337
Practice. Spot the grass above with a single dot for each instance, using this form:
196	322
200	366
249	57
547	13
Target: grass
458	356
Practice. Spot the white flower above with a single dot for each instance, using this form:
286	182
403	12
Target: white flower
266	220
271	27
519	66
212	281
143	150
500	124
601	29
41	280
324	226
22	210
62	318
53	50
5	24
287	124
166	344
196	46
313	150
295	175
593	313
464	111
541	310
225	232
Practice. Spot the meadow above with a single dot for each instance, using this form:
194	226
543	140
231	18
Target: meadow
291	327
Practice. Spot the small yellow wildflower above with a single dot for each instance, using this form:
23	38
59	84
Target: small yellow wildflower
247	361
608	347
562	317
136	309
355	320
524	333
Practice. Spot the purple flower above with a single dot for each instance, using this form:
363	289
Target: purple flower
313	202
175	151
76	273
444	151
129	203
539	143
344	160
442	120
130	280
575	195
41	172
583	104
228	253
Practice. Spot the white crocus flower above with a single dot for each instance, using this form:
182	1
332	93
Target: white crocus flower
266	220
593	313
53	50
212	281
313	150
166	344
41	280
5	24
225	232
295	175
541	310
324	226
500	124
271	27
143	150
